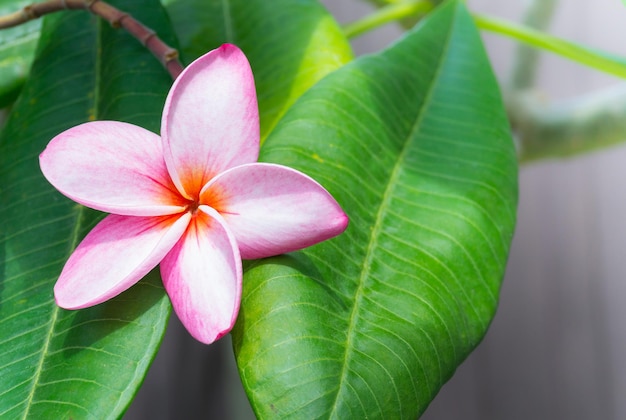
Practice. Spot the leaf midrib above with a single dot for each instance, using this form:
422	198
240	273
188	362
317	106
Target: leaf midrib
377	229
80	215
228	22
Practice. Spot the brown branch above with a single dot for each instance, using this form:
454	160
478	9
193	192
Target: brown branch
167	55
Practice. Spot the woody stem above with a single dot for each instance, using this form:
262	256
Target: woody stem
167	55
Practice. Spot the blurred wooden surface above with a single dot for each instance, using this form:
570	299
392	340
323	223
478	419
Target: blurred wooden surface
557	347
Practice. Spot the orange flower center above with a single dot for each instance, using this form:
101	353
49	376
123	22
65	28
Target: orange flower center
192	207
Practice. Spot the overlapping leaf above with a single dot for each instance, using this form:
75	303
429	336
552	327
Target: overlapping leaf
414	143
72	364
17	47
291	44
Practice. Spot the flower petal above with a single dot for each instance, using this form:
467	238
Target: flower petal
211	119
273	209
116	254
113	167
202	276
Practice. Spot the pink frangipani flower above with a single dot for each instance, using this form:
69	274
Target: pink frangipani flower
194	200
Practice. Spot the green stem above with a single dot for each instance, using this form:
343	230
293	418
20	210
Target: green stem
597	59
386	14
537	16
600	60
591	122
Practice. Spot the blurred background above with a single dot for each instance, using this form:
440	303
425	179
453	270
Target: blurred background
557	346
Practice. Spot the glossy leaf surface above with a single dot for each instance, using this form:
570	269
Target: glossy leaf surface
291	44
415	145
72	364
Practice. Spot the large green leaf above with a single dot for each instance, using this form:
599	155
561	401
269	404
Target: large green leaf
291	44
414	144
58	364
17	47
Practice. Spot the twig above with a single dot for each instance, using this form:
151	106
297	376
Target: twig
591	122
538	16
603	61
167	55
388	13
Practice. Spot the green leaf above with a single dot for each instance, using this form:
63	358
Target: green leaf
58	364
17	48
291	44
415	145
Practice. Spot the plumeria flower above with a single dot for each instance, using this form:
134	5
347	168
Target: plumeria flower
194	200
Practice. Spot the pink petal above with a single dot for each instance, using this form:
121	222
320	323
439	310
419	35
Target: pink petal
113	167
116	254
202	276
210	120
272	209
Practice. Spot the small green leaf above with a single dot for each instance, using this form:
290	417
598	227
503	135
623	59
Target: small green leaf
58	364
17	48
291	44
415	145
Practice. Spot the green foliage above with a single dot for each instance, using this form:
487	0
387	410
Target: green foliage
290	44
17	47
415	145
56	363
